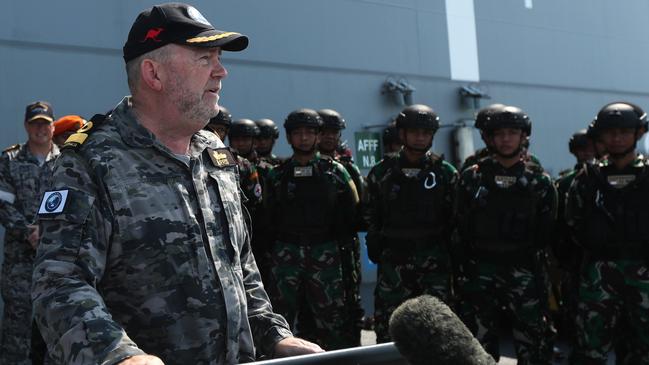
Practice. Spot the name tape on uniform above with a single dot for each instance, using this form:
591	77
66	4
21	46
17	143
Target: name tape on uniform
53	202
620	181
505	181
303	171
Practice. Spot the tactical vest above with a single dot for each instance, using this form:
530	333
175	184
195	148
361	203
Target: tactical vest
616	219
308	200
503	214
413	207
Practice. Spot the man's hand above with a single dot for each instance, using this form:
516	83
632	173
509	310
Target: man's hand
142	360
293	346
33	235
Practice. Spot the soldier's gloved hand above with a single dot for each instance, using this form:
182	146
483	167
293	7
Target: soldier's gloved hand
142	360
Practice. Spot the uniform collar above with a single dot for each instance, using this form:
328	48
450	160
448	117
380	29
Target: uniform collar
28	155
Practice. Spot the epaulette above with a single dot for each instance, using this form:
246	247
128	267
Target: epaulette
11	148
78	138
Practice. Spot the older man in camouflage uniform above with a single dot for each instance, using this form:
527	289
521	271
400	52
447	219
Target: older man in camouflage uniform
25	171
506	207
145	257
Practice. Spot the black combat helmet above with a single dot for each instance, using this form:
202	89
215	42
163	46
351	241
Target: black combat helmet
418	116
267	128
391	134
579	140
302	118
485	115
331	119
243	128
509	117
620	114
223	118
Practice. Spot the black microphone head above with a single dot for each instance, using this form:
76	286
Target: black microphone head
426	331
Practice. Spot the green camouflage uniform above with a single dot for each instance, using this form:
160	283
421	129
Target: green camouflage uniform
22	182
146	251
409	217
506	216
311	208
607	213
351	257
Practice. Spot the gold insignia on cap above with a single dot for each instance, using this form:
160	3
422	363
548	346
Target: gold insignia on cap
620	181
504	181
211	38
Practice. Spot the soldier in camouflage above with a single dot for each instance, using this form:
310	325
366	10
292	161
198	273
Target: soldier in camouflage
506	207
311	204
264	143
332	125
25	172
220	124
144	257
482	117
566	252
241	138
250	181
409	218
391	141
607	214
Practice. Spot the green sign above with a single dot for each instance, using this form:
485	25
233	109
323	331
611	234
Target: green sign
368	149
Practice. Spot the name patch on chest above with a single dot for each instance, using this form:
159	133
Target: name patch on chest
222	158
504	181
53	202
410	173
303	171
620	181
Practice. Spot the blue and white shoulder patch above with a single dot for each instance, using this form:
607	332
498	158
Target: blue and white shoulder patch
53	202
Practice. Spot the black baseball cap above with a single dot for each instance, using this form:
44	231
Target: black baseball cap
39	110
180	24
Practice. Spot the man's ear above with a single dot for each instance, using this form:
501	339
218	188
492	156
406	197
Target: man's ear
151	72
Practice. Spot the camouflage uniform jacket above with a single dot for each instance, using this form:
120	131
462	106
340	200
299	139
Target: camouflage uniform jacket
436	179
606	209
148	253
474	189
22	182
336	219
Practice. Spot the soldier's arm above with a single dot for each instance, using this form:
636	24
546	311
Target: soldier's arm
372	217
10	217
361	189
547	211
451	178
348	199
70	262
575	204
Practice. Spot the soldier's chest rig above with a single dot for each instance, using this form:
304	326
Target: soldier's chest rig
413	199
308	197
616	214
503	209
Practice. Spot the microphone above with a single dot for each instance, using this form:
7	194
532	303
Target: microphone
426	331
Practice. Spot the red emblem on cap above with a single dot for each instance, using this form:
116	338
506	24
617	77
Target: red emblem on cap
153	34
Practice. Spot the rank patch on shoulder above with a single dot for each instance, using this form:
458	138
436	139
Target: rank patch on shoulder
504	181
222	157
303	171
620	181
410	172
53	202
